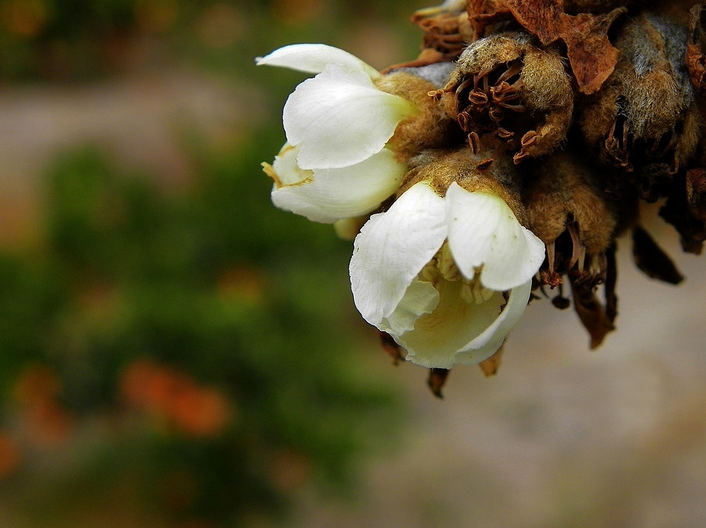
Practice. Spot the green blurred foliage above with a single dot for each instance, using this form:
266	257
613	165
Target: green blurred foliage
215	288
85	39
191	351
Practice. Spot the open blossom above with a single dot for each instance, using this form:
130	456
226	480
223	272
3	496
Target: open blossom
336	163
448	277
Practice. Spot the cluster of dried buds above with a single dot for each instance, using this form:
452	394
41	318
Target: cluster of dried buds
500	165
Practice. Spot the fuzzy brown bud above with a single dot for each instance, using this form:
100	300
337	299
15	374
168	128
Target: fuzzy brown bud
644	120
505	85
568	209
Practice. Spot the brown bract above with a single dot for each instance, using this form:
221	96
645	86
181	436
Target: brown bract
490	170
429	127
590	53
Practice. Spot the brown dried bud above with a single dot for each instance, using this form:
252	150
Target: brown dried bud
568	209
504	84
644	119
447	30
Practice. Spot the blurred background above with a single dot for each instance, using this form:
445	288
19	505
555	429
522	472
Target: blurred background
175	352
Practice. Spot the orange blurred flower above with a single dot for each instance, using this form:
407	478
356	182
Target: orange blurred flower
175	397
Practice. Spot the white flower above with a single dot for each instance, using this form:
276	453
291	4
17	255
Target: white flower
447	278
339	123
327	195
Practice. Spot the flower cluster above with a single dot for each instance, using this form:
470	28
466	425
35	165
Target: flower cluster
500	165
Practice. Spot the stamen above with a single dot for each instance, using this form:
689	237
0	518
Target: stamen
446	265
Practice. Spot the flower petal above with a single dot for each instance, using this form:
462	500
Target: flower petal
331	194
485	345
392	248
313	58
340	118
483	231
459	332
419	299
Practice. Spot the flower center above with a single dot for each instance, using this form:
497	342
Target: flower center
443	268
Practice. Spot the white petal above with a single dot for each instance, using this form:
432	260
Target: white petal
458	332
485	345
284	170
340	118
392	248
313	58
331	194
420	298
483	231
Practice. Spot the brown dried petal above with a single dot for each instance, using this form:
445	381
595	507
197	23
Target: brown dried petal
390	347
436	381
490	366
591	313
590	53
652	260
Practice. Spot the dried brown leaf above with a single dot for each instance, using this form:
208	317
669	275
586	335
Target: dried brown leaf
591	55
